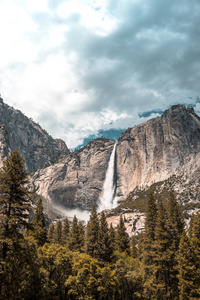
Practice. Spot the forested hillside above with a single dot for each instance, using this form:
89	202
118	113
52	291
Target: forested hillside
70	261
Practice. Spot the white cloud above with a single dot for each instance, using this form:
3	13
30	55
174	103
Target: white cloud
36	5
93	15
81	66
15	28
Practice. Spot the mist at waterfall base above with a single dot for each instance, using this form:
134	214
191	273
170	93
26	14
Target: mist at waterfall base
107	199
82	215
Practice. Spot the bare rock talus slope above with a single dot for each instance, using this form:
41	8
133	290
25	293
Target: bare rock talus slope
155	150
37	147
77	180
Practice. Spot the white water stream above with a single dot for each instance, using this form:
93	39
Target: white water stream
107	199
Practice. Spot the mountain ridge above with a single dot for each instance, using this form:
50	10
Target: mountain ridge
18	132
148	153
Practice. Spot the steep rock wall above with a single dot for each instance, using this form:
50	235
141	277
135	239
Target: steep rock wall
155	150
77	180
37	147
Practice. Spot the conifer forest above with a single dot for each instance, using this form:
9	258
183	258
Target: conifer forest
96	261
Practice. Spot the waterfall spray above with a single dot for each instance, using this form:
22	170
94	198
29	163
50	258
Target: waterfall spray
107	199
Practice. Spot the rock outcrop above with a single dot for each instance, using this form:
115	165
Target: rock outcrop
37	147
155	150
148	153
77	180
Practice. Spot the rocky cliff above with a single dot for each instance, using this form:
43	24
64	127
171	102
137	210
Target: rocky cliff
77	180
155	150
150	152
36	146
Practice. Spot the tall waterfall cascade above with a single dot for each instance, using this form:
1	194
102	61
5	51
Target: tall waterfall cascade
107	199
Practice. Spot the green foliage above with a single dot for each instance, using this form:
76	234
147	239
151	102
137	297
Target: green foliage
38	229
57	236
122	238
133	247
146	244
159	245
169	260
112	239
19	277
195	242
92	234
175	228
56	267
50	234
129	274
74	239
65	232
187	269
17	270
14	201
161	258
81	231
105	250
175	221
83	282
107	283
89	280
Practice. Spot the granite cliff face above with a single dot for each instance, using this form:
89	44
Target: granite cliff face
151	152
155	150
37	147
77	180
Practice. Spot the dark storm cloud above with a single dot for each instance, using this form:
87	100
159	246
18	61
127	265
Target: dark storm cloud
87	66
151	60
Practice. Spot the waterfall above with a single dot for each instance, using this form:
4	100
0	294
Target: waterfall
107	199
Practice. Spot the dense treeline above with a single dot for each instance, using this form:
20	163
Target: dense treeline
96	261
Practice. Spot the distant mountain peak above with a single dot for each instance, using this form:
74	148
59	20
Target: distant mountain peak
36	146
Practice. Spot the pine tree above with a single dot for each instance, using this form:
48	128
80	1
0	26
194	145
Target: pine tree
74	238
175	226
21	273
190	230
195	242
51	232
105	250
187	269
195	234
92	234
151	216
146	243
65	232
122	238
161	258
175	221
14	201
57	237
133	247
81	231
112	237
39	231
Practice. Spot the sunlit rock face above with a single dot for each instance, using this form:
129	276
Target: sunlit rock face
133	221
147	153
37	147
155	150
76	181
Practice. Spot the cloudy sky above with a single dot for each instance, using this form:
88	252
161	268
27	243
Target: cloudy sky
80	66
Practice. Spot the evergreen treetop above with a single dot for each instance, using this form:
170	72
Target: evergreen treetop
38	229
122	238
92	234
14	193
